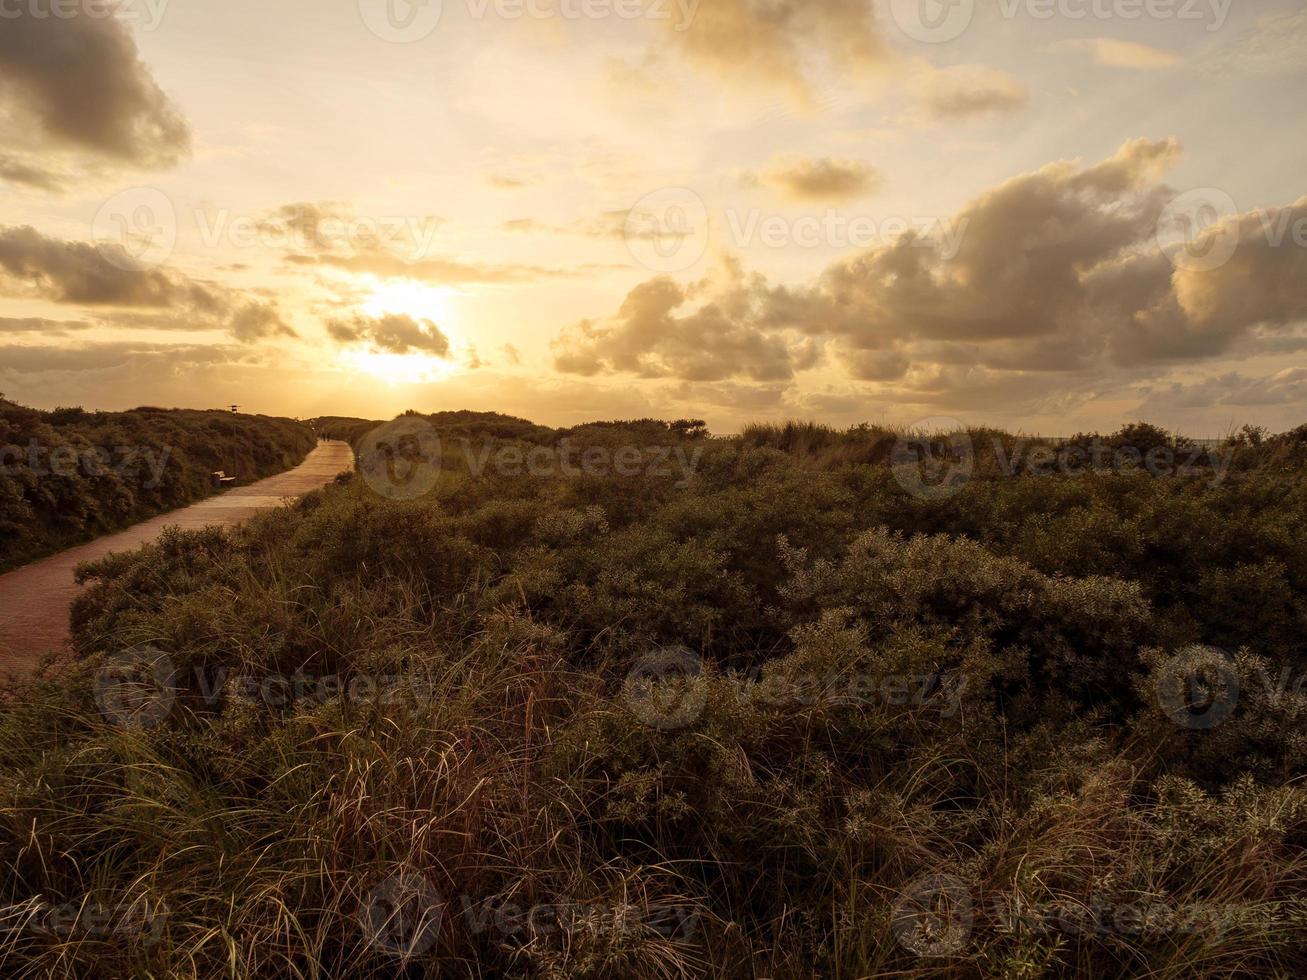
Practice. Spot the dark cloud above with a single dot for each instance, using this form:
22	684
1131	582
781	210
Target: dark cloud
84	274
81	82
394	332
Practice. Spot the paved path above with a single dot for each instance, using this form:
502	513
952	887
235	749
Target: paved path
34	599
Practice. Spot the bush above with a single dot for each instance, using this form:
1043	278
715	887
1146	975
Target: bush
69	475
780	719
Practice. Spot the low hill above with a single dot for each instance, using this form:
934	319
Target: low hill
70	475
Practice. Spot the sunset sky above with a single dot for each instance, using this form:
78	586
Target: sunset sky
1049	215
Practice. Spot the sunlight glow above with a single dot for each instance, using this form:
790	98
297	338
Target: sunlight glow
417	300
414	368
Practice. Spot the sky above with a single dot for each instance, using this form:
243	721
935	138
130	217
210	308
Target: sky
1047	215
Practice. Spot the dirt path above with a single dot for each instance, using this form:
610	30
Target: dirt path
34	599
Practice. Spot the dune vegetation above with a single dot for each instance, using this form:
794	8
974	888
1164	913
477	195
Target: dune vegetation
629	700
70	475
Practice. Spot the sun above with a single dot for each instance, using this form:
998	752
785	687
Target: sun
395	369
418	300
422	302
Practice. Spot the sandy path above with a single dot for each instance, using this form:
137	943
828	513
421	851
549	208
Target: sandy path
34	599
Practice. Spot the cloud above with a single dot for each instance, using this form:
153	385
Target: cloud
782	42
1056	285
434	270
742	397
85	274
970	90
1113	53
20	171
530	225
49	328
608	224
97	358
81	84
1286	387
303	223
824	179
394	333
659	333
1275	46
330	234
335	228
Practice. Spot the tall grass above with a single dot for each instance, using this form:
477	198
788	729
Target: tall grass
919	738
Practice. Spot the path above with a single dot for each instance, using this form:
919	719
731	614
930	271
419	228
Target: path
34	599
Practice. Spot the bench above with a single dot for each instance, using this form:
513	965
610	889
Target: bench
221	479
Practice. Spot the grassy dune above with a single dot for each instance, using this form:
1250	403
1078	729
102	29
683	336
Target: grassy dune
758	706
69	475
